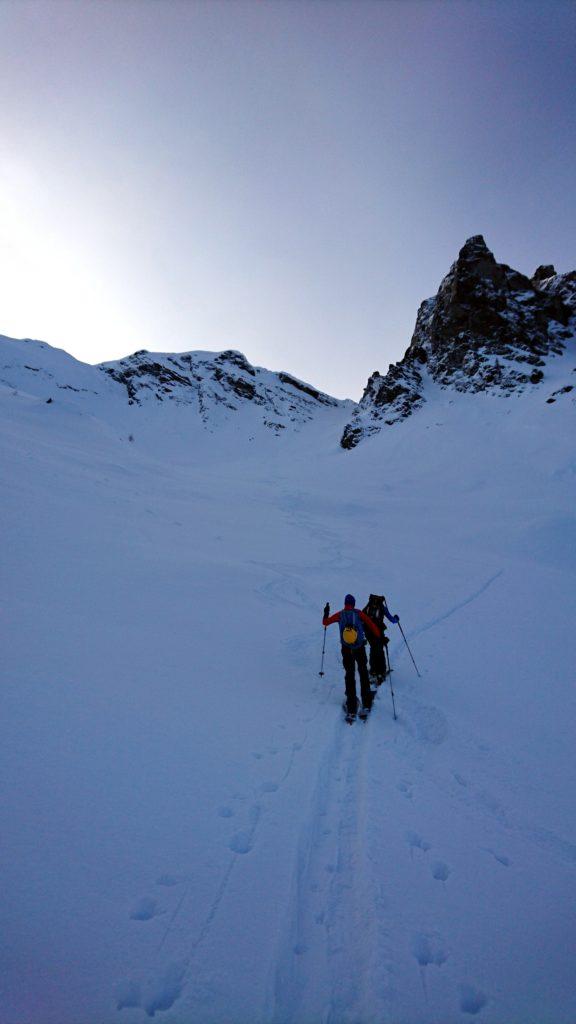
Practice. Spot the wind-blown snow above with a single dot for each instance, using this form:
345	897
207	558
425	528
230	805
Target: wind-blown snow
190	829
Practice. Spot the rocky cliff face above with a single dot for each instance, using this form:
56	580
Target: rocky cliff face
211	381
488	328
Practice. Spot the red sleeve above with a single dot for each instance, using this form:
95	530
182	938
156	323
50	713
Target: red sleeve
333	618
368	622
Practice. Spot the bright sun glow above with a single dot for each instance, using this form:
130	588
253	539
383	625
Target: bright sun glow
49	282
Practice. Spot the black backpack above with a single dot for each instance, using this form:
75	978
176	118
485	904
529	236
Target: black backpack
375	609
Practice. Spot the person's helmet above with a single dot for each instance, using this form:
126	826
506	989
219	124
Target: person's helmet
350	599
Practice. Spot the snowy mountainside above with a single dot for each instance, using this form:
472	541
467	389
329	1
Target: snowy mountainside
489	328
190	830
206	390
208	380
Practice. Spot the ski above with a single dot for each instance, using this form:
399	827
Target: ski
349	716
363	714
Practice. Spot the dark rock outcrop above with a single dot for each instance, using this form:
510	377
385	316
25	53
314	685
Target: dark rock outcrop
224	380
542	273
488	328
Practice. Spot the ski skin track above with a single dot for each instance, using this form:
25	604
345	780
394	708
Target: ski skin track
330	908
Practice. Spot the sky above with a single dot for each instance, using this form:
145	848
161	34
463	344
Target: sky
286	178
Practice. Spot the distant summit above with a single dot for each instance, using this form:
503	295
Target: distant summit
205	390
488	328
212	380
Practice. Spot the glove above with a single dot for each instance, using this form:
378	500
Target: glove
326	610
395	619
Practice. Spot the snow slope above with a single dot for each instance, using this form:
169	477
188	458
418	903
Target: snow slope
191	831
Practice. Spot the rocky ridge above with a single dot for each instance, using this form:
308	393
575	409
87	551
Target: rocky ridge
489	328
214	386
209	380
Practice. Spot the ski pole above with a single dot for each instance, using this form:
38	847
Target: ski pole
389	674
392	694
409	651
321	672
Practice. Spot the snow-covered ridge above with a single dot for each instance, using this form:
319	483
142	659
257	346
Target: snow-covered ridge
489	328
214	386
208	380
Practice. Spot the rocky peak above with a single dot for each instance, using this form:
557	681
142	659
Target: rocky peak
216	385
476	256
542	273
489	327
563	286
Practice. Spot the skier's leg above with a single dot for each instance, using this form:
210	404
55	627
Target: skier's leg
350	681
373	668
385	655
360	656
379	662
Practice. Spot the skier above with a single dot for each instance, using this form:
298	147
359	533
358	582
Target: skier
376	609
351	623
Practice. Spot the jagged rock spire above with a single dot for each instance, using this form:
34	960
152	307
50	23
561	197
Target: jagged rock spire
488	327
543	272
475	250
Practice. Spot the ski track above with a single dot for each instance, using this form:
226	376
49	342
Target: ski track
167	977
322	974
338	907
321	970
287	587
171	978
335	963
457	607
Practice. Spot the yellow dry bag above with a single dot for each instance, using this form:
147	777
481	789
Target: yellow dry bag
349	635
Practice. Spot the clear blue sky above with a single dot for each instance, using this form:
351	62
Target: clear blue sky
286	178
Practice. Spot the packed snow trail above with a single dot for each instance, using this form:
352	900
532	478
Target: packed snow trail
323	966
191	830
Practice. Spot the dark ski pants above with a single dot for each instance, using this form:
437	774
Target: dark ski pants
377	657
352	656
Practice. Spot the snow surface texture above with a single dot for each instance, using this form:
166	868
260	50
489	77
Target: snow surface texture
191	831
